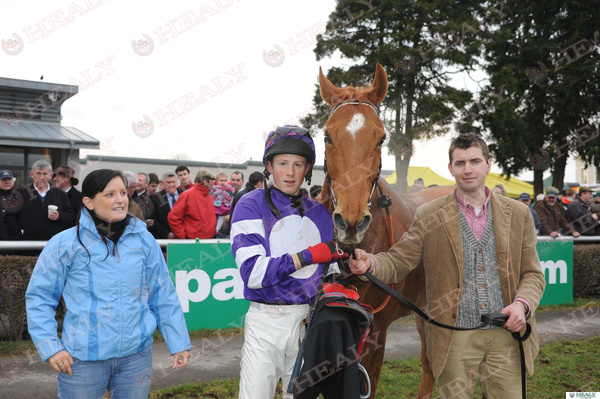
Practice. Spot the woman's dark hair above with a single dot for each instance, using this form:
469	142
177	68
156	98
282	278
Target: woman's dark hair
93	184
97	181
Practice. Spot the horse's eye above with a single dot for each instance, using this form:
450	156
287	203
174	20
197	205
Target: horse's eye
327	139
381	142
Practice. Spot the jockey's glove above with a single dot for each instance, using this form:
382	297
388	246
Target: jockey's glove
321	253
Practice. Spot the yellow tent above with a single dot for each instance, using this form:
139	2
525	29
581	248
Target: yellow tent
425	173
513	187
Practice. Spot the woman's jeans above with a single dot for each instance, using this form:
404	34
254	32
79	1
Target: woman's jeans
125	377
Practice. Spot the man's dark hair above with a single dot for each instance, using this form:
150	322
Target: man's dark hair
181	168
466	141
153	178
237	172
255	178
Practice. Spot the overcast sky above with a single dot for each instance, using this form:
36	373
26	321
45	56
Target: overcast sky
201	79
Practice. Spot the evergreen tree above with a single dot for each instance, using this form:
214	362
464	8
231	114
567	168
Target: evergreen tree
420	44
542	54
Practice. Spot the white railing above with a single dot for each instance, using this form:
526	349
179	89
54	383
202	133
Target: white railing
16	246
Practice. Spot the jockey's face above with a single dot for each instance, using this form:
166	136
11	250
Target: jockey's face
288	172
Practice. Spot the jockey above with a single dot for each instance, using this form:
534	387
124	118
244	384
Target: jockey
281	241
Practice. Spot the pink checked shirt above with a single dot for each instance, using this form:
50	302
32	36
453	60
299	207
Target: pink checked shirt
476	221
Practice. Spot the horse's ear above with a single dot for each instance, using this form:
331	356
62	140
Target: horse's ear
379	86
329	92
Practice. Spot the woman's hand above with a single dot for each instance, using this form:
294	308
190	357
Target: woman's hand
62	362
181	359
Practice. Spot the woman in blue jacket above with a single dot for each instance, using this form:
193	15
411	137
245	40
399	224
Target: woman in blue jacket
116	286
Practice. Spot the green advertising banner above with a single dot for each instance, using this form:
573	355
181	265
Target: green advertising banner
211	290
556	258
208	284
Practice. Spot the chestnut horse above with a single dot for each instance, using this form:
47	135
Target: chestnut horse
354	136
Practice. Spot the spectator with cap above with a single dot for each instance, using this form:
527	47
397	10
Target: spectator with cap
526	199
582	219
595	209
551	216
7	181
64	179
193	215
32	217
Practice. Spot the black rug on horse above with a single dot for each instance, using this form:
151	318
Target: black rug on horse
331	355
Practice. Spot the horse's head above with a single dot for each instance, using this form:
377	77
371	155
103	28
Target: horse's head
354	136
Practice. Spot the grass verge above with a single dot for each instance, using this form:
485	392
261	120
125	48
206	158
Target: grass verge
562	366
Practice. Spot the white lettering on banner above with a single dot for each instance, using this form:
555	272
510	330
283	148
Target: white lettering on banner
551	266
182	280
231	288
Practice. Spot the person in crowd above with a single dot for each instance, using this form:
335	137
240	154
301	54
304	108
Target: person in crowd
38	211
142	185
7	181
143	197
222	194
281	240
255	180
152	183
481	230
106	339
237	180
538	198
183	174
552	218
581	217
568	197
161	185
315	192
595	209
499	189
163	202
418	185
64	178
193	215
135	204
526	199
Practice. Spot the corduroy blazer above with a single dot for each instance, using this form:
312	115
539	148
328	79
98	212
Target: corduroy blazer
435	238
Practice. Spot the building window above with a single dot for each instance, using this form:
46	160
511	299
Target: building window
19	160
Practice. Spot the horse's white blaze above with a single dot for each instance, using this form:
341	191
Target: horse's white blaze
356	123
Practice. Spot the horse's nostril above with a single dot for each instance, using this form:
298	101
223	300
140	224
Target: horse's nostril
339	221
364	224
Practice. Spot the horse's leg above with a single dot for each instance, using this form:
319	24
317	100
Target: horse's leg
427	380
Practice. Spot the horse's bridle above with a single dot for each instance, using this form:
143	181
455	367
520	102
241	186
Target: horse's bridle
327	178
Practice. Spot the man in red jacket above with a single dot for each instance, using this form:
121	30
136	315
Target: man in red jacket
193	215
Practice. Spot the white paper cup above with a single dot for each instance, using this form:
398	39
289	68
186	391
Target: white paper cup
52	208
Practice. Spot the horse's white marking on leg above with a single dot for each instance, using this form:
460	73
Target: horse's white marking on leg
356	123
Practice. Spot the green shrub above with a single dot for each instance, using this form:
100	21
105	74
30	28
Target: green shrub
586	271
